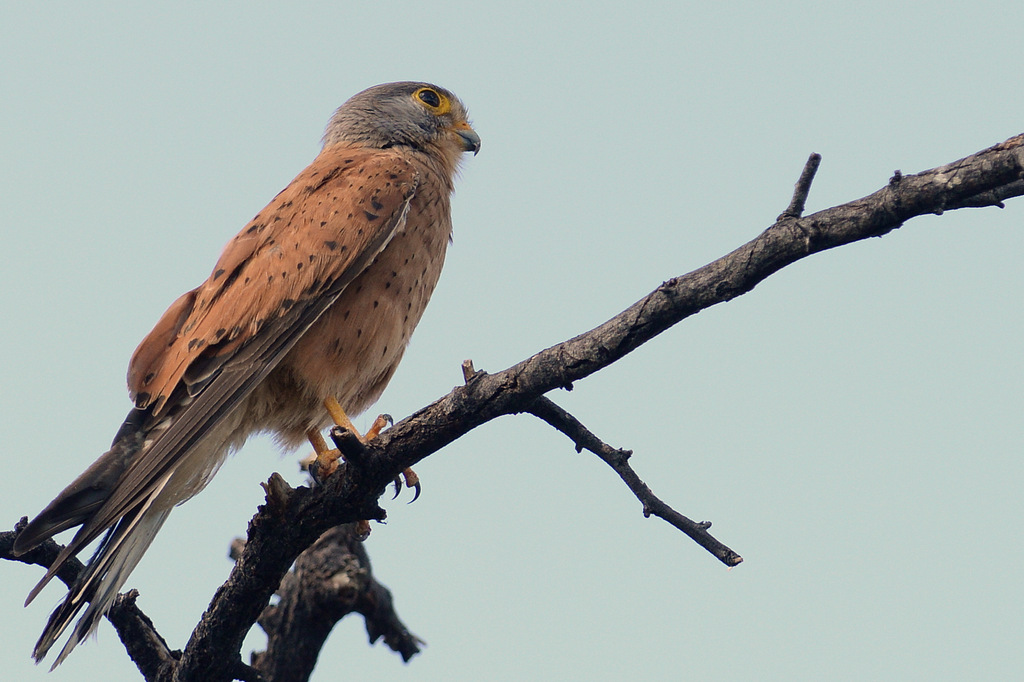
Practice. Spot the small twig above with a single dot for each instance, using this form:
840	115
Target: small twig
803	188
618	460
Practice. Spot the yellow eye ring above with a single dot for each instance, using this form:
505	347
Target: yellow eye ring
433	100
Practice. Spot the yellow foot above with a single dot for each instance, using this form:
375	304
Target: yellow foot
324	461
378	425
341	419
327	460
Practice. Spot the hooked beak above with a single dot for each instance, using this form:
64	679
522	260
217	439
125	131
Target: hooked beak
468	137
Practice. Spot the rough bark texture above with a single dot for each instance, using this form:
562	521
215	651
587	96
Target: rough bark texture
336	570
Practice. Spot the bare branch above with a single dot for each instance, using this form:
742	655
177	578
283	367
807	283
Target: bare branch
330	580
293	519
618	460
277	537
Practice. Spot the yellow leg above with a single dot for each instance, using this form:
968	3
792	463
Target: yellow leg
341	419
339	416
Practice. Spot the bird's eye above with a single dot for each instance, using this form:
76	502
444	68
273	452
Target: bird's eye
429	97
434	101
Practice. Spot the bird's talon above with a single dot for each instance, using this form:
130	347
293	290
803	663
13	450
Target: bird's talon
412	480
398	487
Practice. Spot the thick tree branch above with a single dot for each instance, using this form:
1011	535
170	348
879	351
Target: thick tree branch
293	519
330	580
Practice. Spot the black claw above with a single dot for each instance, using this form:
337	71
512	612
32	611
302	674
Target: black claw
389	419
398	487
417	495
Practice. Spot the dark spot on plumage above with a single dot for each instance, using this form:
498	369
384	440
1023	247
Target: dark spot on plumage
359	231
270	278
195	344
246	280
219	334
235	331
322	223
371	216
285	204
284	274
149	377
393	176
348	160
376	303
287	303
345	316
312	257
332	245
359	332
298	266
333	173
336	346
359	288
350	216
256	227
258	324
376	204
142	399
218	273
385	351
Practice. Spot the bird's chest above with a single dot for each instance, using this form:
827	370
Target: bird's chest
353	349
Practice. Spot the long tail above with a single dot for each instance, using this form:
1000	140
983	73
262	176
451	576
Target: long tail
96	588
118	552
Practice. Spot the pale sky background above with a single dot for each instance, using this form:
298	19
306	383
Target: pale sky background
852	427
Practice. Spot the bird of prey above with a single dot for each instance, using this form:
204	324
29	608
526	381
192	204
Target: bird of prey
305	315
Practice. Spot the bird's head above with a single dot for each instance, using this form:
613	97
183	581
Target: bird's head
417	115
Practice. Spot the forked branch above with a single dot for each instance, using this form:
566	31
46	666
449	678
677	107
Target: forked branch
293	519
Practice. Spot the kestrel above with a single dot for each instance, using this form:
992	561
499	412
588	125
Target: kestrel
309	308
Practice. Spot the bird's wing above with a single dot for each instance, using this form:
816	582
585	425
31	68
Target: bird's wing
216	343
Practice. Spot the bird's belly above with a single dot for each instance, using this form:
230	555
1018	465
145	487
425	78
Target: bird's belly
352	351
